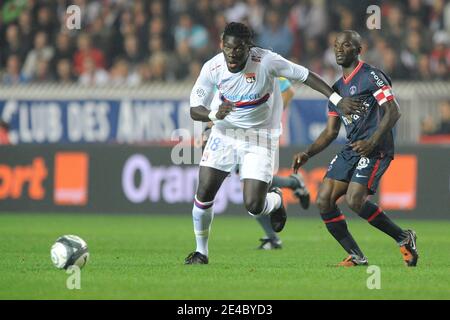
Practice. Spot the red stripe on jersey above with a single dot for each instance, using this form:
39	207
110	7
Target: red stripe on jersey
333	114
248	103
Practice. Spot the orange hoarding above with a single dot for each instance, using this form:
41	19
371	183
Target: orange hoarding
71	178
398	186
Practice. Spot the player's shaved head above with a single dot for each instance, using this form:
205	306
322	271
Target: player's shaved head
353	36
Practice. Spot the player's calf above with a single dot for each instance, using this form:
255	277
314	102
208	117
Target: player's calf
337	227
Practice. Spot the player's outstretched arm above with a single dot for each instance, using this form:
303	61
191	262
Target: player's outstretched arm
325	138
388	121
346	105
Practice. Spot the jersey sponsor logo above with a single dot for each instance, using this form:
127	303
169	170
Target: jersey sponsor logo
350	118
250	77
360	176
378	81
363	163
352	90
241	97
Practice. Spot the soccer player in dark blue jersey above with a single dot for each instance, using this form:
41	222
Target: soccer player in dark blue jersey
356	170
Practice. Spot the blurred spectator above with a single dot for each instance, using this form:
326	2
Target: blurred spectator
158	67
440	56
275	34
427	126
424	72
26	31
133	55
13	75
120	74
64	72
411	53
43	73
255	15
46	22
235	10
42	51
444	117
13	45
64	50
394	30
182	59
310	17
195	34
92	75
392	66
416	31
87	52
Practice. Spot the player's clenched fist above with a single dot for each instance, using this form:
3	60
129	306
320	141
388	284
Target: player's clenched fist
299	160
224	109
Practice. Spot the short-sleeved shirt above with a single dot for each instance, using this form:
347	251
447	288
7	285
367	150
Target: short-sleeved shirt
253	90
373	87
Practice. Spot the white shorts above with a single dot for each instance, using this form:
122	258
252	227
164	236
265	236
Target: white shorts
253	151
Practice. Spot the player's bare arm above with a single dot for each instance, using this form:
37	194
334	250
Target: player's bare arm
203	114
346	104
388	121
328	135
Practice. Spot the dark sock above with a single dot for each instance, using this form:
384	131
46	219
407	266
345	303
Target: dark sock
336	225
377	218
284	182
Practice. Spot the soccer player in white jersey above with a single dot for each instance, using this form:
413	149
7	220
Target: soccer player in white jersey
245	77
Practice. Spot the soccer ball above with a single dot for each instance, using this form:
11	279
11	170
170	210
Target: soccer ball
69	250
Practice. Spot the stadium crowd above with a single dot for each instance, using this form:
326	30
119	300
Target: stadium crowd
131	42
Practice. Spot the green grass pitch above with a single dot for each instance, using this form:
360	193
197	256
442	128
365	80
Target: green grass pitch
141	257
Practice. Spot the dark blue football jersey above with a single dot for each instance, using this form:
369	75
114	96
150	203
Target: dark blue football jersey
373	87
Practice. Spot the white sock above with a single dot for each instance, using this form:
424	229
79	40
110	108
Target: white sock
264	221
202	215
273	202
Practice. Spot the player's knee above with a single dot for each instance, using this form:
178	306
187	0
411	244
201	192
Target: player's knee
254	205
204	195
355	202
324	203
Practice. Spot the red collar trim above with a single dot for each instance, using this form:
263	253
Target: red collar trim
355	71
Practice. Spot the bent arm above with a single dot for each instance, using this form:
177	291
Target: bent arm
388	121
328	135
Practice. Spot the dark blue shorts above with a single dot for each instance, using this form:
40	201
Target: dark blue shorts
348	166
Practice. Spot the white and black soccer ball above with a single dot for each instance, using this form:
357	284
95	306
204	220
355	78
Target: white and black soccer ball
69	250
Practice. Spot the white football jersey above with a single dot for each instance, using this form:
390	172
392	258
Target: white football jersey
253	90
